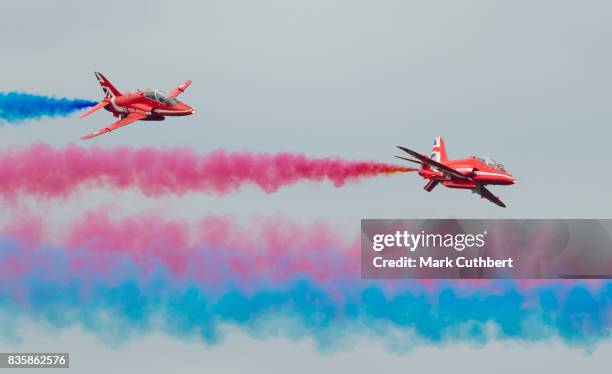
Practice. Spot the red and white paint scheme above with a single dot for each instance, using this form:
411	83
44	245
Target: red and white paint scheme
472	173
142	105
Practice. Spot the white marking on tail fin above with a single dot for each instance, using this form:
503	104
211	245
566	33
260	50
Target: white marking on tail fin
109	90
438	151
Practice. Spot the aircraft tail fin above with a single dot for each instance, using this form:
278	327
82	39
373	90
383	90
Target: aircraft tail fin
109	90
438	152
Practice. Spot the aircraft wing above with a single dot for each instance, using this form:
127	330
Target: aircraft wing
409	160
179	89
99	105
432	163
132	117
484	192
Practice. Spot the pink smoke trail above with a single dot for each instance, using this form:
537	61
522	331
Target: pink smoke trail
215	250
47	172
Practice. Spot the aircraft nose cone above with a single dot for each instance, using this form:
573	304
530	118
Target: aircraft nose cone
184	108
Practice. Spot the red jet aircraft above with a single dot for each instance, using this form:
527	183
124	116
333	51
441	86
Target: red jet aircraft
145	105
472	173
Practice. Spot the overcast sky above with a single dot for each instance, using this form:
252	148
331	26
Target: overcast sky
525	82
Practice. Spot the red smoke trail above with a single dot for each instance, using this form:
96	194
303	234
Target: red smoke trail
44	171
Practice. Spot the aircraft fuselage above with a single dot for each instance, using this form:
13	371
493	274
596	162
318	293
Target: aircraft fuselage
478	173
138	103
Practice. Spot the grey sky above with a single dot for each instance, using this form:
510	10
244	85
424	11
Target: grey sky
526	82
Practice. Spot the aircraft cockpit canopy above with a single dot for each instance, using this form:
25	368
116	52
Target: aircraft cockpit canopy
492	163
160	96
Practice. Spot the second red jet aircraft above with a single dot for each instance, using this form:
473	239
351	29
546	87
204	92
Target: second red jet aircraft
472	173
145	105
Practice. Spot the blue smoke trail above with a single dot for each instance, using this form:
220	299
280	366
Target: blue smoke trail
128	301
17	106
